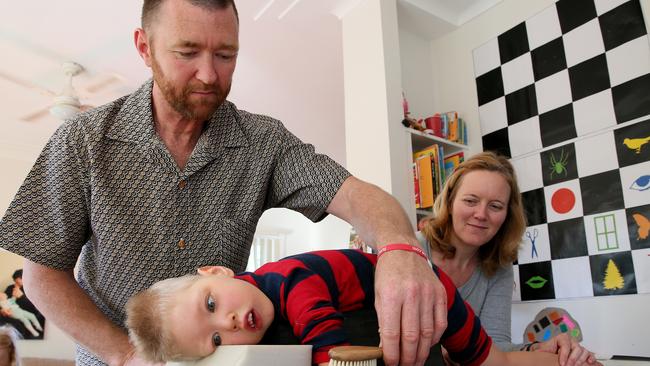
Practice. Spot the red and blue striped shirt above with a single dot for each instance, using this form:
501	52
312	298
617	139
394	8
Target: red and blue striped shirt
311	290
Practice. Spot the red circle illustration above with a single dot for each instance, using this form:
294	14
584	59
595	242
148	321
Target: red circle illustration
563	200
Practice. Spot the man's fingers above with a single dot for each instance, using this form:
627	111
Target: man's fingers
389	326
426	327
440	311
410	333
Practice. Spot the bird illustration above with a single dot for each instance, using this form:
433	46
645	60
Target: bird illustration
636	144
644	226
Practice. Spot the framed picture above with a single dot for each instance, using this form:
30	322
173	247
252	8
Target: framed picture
18	312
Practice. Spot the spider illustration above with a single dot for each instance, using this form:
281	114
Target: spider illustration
559	166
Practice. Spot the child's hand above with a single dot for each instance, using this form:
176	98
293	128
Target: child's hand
570	352
5	312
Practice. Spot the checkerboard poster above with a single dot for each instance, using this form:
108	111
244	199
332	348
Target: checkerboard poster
566	95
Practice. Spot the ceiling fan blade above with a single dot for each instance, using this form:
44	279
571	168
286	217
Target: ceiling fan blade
35	116
26	84
103	82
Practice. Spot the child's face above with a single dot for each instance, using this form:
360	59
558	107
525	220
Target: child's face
219	309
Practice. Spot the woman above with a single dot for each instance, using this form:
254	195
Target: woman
474	236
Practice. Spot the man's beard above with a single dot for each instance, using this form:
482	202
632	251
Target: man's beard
179	99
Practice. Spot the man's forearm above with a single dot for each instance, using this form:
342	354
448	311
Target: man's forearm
376	215
60	299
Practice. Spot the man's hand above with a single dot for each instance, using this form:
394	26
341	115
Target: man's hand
570	351
407	296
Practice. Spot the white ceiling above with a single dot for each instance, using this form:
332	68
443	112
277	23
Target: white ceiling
36	36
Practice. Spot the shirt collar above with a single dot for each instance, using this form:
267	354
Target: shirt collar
134	122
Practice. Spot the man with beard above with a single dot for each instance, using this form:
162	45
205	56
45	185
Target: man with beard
174	177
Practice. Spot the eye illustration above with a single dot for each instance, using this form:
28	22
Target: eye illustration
641	183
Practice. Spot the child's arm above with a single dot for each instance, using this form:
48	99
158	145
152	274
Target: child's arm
519	358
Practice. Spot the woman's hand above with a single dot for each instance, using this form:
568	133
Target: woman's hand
571	353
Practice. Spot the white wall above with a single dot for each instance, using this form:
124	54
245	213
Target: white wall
377	148
611	325
417	74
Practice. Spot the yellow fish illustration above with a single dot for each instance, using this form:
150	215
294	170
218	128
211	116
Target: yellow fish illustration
636	144
644	226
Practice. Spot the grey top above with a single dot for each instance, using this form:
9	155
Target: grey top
491	300
106	190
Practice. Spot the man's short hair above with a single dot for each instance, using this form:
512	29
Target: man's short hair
17	274
150	8
147	319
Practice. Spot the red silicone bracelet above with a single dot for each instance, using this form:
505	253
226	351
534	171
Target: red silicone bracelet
407	247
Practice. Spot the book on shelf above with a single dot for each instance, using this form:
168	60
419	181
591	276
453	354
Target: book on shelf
452	161
417	185
430	173
452	135
448	126
425	180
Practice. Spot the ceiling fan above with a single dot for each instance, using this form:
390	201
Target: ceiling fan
66	103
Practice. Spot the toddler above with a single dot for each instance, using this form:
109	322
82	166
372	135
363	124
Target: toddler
188	317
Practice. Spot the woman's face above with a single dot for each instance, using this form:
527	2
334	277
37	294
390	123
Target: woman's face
479	208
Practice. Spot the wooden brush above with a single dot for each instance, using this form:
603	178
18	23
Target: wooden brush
354	356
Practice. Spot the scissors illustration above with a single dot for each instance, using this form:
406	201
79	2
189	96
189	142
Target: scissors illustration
532	239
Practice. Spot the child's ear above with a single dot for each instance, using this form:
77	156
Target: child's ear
212	270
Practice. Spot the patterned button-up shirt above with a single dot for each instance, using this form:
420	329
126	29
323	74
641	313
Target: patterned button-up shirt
105	190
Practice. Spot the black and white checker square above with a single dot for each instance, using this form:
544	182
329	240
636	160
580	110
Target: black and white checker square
607	232
535	245
534	206
633	143
635	184
574	68
536	281
641	261
638	226
568	238
613	274
572	277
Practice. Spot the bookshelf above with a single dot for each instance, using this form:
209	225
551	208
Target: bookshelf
383	63
418	141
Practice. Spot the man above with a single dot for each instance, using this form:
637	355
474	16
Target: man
174	177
